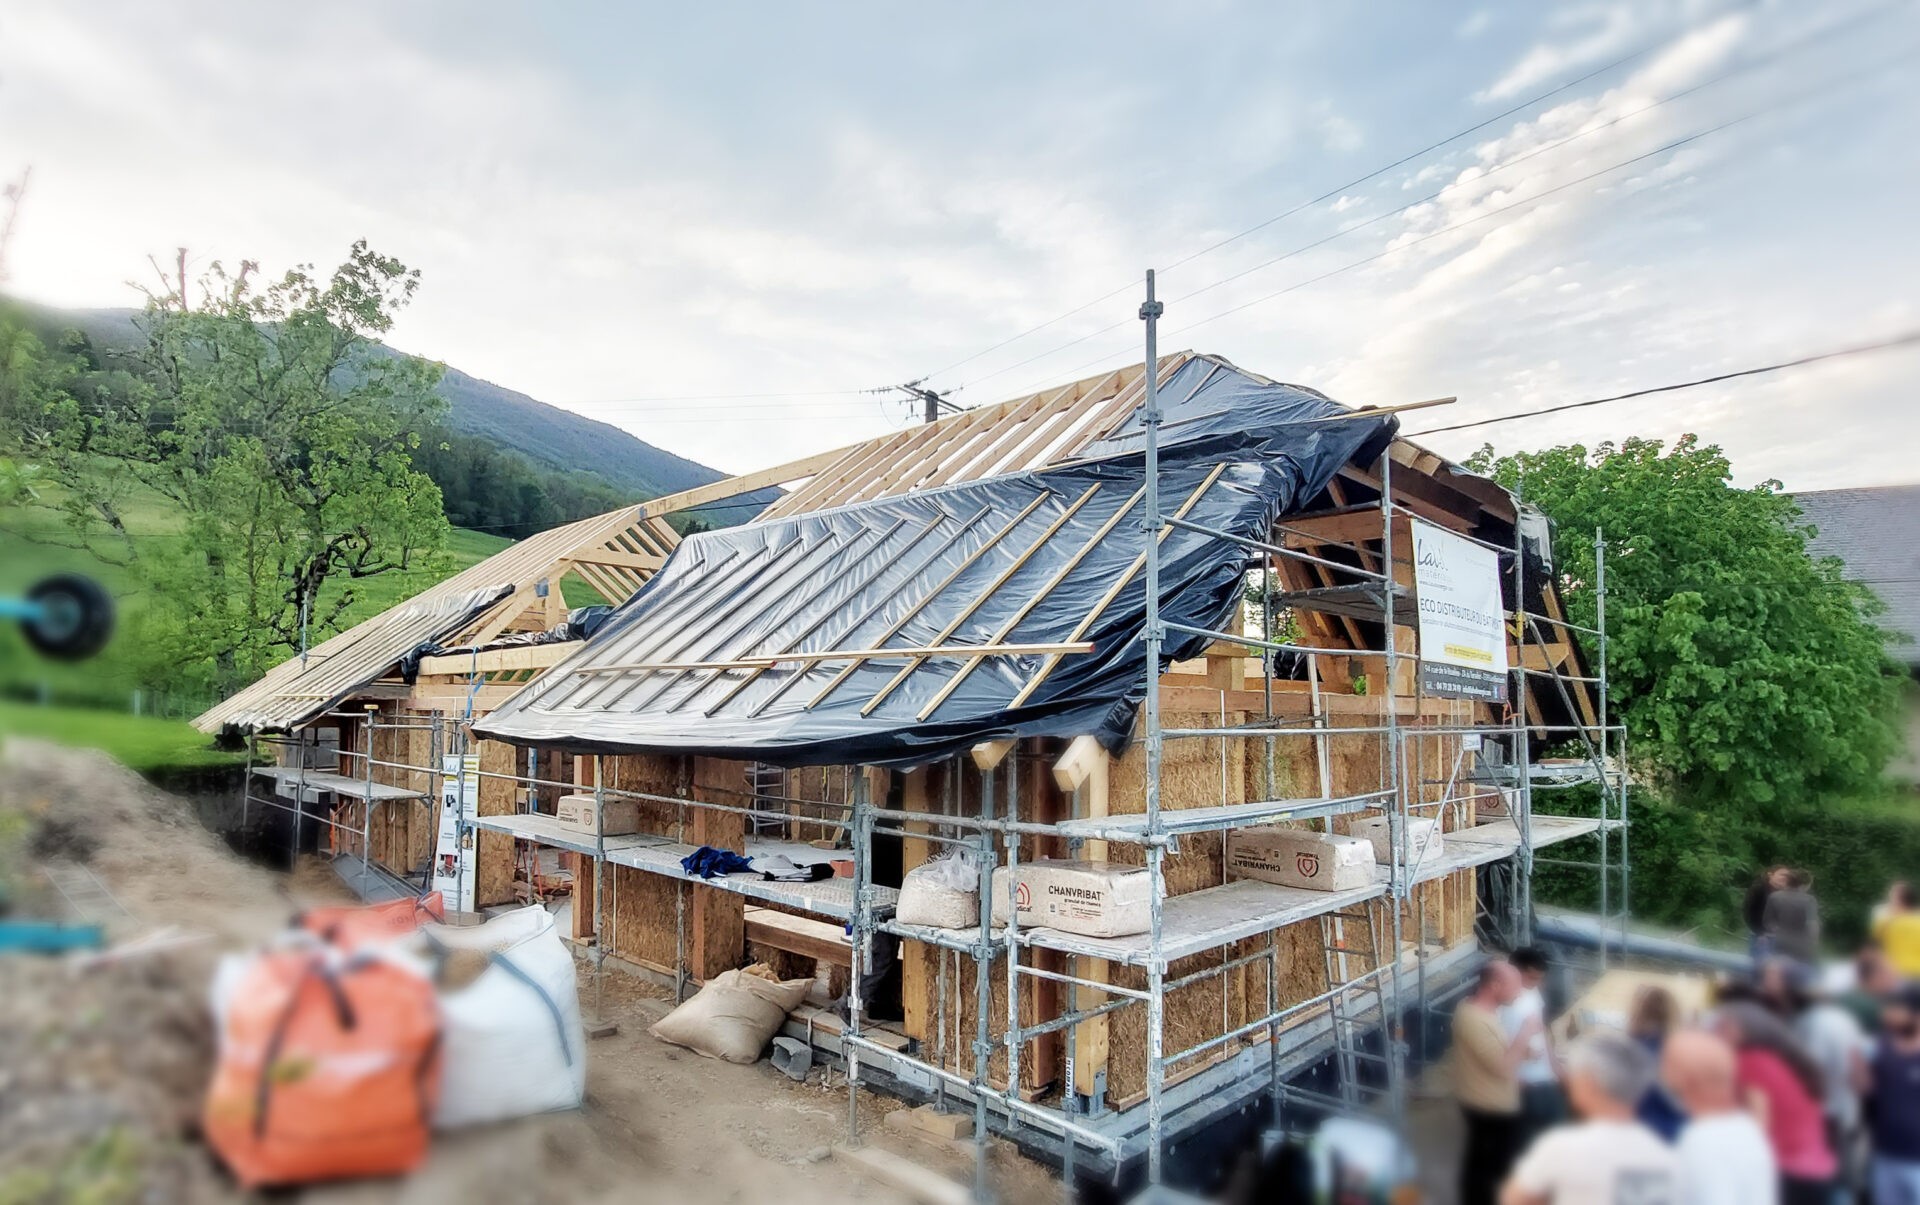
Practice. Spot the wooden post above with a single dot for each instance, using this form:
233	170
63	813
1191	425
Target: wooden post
585	900
586	895
1405	643
717	924
917	975
1084	768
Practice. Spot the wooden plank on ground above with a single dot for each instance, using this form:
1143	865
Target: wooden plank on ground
819	940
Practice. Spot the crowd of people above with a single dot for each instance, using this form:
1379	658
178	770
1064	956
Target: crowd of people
1791	1086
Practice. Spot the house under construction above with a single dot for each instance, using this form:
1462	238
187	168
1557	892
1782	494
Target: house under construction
1022	633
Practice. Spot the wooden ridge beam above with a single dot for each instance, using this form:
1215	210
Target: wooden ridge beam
746	483
462	665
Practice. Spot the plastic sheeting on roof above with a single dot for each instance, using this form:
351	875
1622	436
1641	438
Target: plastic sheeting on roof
1050	557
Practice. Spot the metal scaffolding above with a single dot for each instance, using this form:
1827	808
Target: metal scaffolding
1374	976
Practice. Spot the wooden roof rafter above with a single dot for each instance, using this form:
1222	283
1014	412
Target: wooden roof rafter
499	594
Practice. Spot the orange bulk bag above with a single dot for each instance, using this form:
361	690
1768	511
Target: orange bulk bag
351	927
328	1068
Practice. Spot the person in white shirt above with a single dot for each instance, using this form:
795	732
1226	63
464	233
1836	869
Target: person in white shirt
1542	1103
1724	1156
1607	1158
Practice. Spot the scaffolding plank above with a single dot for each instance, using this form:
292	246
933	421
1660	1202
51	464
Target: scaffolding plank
1186	820
338	784
545	830
826	897
1208	919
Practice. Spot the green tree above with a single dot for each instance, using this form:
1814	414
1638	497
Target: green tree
263	416
1747	669
1751	676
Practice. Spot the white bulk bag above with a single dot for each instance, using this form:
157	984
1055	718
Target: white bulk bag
514	1041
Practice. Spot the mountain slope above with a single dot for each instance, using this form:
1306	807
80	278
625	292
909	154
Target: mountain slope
546	435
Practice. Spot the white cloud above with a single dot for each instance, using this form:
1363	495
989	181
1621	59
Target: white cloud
594	236
1608	30
1337	133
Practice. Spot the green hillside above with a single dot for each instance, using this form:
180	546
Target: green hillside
623	467
34	543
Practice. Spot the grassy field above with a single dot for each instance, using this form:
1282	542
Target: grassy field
142	743
34	542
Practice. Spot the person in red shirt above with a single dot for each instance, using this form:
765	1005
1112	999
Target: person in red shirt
1781	1085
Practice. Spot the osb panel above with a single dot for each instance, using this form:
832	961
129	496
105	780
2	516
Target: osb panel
644	923
817	792
493	859
717	932
423	829
653	774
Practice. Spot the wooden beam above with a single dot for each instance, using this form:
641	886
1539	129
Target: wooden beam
629	560
809	938
979	600
1106	600
1084	757
1350	528
1047	587
495	661
584	897
916	959
1089	762
988	754
455	697
746	483
920	652
953	575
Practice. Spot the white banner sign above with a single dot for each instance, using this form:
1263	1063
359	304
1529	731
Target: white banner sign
453	859
1463	638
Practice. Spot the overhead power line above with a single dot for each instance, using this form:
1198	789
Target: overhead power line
1898	341
1752	64
717	397
1847	79
1307	204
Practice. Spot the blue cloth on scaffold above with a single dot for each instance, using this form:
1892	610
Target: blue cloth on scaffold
708	862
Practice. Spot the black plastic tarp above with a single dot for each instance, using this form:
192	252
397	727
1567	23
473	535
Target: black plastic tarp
1035	558
580	624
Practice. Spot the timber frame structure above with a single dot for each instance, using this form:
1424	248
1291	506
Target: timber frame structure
1245	999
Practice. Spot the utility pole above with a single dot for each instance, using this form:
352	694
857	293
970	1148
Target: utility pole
932	400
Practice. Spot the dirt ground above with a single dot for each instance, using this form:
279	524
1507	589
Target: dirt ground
102	1067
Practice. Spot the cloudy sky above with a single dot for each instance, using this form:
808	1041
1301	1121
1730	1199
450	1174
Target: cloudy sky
715	229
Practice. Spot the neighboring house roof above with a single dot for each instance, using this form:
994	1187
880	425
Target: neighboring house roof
712	657
1876	532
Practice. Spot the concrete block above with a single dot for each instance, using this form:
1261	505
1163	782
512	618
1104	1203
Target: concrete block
792	1058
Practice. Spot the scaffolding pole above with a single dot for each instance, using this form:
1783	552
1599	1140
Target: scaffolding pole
1352	1001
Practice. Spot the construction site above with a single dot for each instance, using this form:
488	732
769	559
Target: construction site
1130	771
